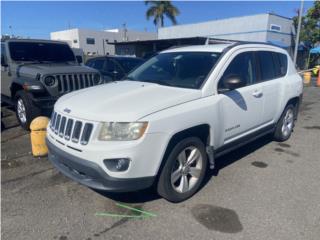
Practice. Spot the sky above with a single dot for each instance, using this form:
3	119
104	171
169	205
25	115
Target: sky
38	19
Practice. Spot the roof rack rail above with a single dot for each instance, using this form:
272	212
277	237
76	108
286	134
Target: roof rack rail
219	41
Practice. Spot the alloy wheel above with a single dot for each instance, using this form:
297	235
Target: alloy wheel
187	169
21	111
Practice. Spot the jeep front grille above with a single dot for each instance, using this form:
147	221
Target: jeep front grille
72	82
71	129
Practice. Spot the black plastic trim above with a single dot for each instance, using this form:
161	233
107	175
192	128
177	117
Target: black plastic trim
92	175
244	140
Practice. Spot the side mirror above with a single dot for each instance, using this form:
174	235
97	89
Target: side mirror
3	61
233	82
79	59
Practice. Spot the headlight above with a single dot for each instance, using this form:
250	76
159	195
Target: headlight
49	81
122	131
96	79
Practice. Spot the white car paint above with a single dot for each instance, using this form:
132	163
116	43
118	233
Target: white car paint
169	110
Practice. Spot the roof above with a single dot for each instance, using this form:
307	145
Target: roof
201	48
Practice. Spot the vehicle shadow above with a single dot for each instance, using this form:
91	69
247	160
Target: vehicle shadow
237	154
150	194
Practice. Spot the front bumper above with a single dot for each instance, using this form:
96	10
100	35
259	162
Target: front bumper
91	174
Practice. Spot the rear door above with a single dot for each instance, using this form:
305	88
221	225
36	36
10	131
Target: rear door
273	68
241	108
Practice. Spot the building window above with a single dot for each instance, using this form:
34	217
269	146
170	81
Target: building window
75	41
276	28
90	41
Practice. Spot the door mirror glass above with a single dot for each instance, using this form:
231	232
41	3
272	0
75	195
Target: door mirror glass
232	82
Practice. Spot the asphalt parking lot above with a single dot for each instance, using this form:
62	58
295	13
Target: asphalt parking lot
265	190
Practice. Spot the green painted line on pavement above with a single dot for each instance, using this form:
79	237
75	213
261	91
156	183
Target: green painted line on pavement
136	210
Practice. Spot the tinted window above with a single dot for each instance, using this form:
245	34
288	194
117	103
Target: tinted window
283	63
179	69
277	65
267	67
98	64
242	66
40	51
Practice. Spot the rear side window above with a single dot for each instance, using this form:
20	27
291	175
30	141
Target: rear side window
272	65
267	67
283	63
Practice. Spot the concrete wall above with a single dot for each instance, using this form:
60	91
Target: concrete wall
77	38
239	28
247	28
285	35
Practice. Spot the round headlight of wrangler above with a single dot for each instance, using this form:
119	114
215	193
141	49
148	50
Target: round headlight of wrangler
49	81
96	79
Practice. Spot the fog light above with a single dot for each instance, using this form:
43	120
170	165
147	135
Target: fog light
117	165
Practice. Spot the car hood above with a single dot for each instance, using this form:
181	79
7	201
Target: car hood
123	101
57	68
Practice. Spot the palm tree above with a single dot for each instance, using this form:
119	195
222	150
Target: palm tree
159	9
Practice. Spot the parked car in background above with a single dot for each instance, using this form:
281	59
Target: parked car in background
171	117
35	73
114	67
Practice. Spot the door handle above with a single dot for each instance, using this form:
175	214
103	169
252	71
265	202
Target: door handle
257	93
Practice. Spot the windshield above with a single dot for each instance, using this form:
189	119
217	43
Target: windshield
129	63
178	69
40	51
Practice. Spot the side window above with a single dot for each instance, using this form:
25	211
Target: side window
277	65
267	67
113	66
99	64
242	66
283	64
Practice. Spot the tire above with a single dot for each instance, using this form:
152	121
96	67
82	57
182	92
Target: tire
26	111
285	124
171	187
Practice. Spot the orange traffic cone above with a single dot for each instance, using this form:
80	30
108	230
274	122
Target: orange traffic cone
318	80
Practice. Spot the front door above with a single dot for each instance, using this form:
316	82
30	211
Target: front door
241	108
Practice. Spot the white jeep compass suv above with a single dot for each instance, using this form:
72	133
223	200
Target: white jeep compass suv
165	124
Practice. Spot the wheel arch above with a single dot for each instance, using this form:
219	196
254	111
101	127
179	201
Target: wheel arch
295	101
15	87
201	131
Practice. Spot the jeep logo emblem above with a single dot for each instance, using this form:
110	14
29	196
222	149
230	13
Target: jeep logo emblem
67	110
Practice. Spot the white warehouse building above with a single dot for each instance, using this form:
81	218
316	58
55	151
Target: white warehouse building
266	27
94	42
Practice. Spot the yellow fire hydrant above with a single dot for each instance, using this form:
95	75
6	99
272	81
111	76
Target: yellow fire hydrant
38	136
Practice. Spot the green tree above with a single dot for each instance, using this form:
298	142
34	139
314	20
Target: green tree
160	9
310	25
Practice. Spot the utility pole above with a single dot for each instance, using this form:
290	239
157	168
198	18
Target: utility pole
125	38
298	34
